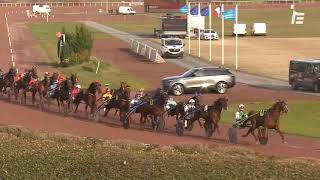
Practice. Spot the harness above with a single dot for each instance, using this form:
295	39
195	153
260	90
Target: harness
192	112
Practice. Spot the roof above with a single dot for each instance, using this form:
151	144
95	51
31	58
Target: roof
307	60
171	38
208	67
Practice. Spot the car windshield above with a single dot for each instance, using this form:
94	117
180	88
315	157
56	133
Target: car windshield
188	73
173	42
208	31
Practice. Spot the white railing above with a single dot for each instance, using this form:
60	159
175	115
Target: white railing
27	4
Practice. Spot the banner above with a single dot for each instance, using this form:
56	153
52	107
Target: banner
194	10
217	11
184	9
230	14
205	11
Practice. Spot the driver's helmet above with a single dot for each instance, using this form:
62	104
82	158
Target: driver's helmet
192	101
78	86
241	106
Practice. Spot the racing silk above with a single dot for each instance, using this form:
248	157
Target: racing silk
32	82
74	92
171	104
107	96
187	109
241	116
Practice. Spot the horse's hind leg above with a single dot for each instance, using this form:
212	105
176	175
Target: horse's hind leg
280	133
200	124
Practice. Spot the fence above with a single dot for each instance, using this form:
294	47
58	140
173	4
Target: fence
146	51
28	4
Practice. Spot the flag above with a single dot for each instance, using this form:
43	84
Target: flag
230	14
217	11
194	10
205	11
184	9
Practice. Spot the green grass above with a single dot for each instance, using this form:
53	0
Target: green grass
302	119
106	74
134	26
45	33
278	23
29	155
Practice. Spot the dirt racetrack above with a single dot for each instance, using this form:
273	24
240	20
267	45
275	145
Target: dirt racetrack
115	52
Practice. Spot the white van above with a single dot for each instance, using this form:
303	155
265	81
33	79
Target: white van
40	9
259	29
126	10
240	29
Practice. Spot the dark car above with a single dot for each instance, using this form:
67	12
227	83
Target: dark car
305	74
210	78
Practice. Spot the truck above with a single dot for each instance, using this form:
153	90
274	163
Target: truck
127	10
172	26
41	9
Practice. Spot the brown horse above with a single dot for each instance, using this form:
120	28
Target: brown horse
153	106
88	96
268	120
25	84
211	114
42	88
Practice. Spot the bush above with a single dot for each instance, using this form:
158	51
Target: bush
77	47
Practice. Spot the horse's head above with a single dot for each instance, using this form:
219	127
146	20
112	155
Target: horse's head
74	78
33	72
282	106
68	84
221	103
94	87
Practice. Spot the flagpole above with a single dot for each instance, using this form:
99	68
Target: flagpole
222	31
189	44
199	14
236	38
210	55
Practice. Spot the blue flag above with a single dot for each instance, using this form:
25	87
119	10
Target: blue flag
184	9
194	10
229	14
205	11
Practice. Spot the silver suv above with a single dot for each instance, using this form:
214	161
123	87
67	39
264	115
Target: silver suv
195	79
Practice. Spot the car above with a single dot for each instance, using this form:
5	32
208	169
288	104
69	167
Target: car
206	35
41	9
259	29
200	78
171	47
240	29
126	10
305	74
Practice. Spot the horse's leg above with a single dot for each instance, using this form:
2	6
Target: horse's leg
200	124
58	102
141	120
86	108
280	133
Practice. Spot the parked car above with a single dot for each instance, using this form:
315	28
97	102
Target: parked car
259	29
171	47
206	35
240	29
41	9
305	73
126	10
200	78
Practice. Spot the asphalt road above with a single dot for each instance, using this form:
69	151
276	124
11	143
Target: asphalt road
190	61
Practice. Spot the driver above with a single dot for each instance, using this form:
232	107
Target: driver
241	116
187	109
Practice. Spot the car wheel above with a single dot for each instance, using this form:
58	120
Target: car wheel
316	87
294	85
177	89
221	87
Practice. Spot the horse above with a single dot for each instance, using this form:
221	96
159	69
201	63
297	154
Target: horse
211	114
25	85
63	93
8	81
154	107
120	99
268	120
88	96
42	88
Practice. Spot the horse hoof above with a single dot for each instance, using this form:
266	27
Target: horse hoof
257	142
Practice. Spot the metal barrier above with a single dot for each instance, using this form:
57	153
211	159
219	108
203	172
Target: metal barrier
146	51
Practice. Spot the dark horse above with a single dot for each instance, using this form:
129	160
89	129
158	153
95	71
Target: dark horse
154	107
63	93
211	115
268	120
120	100
88	96
24	85
7	81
